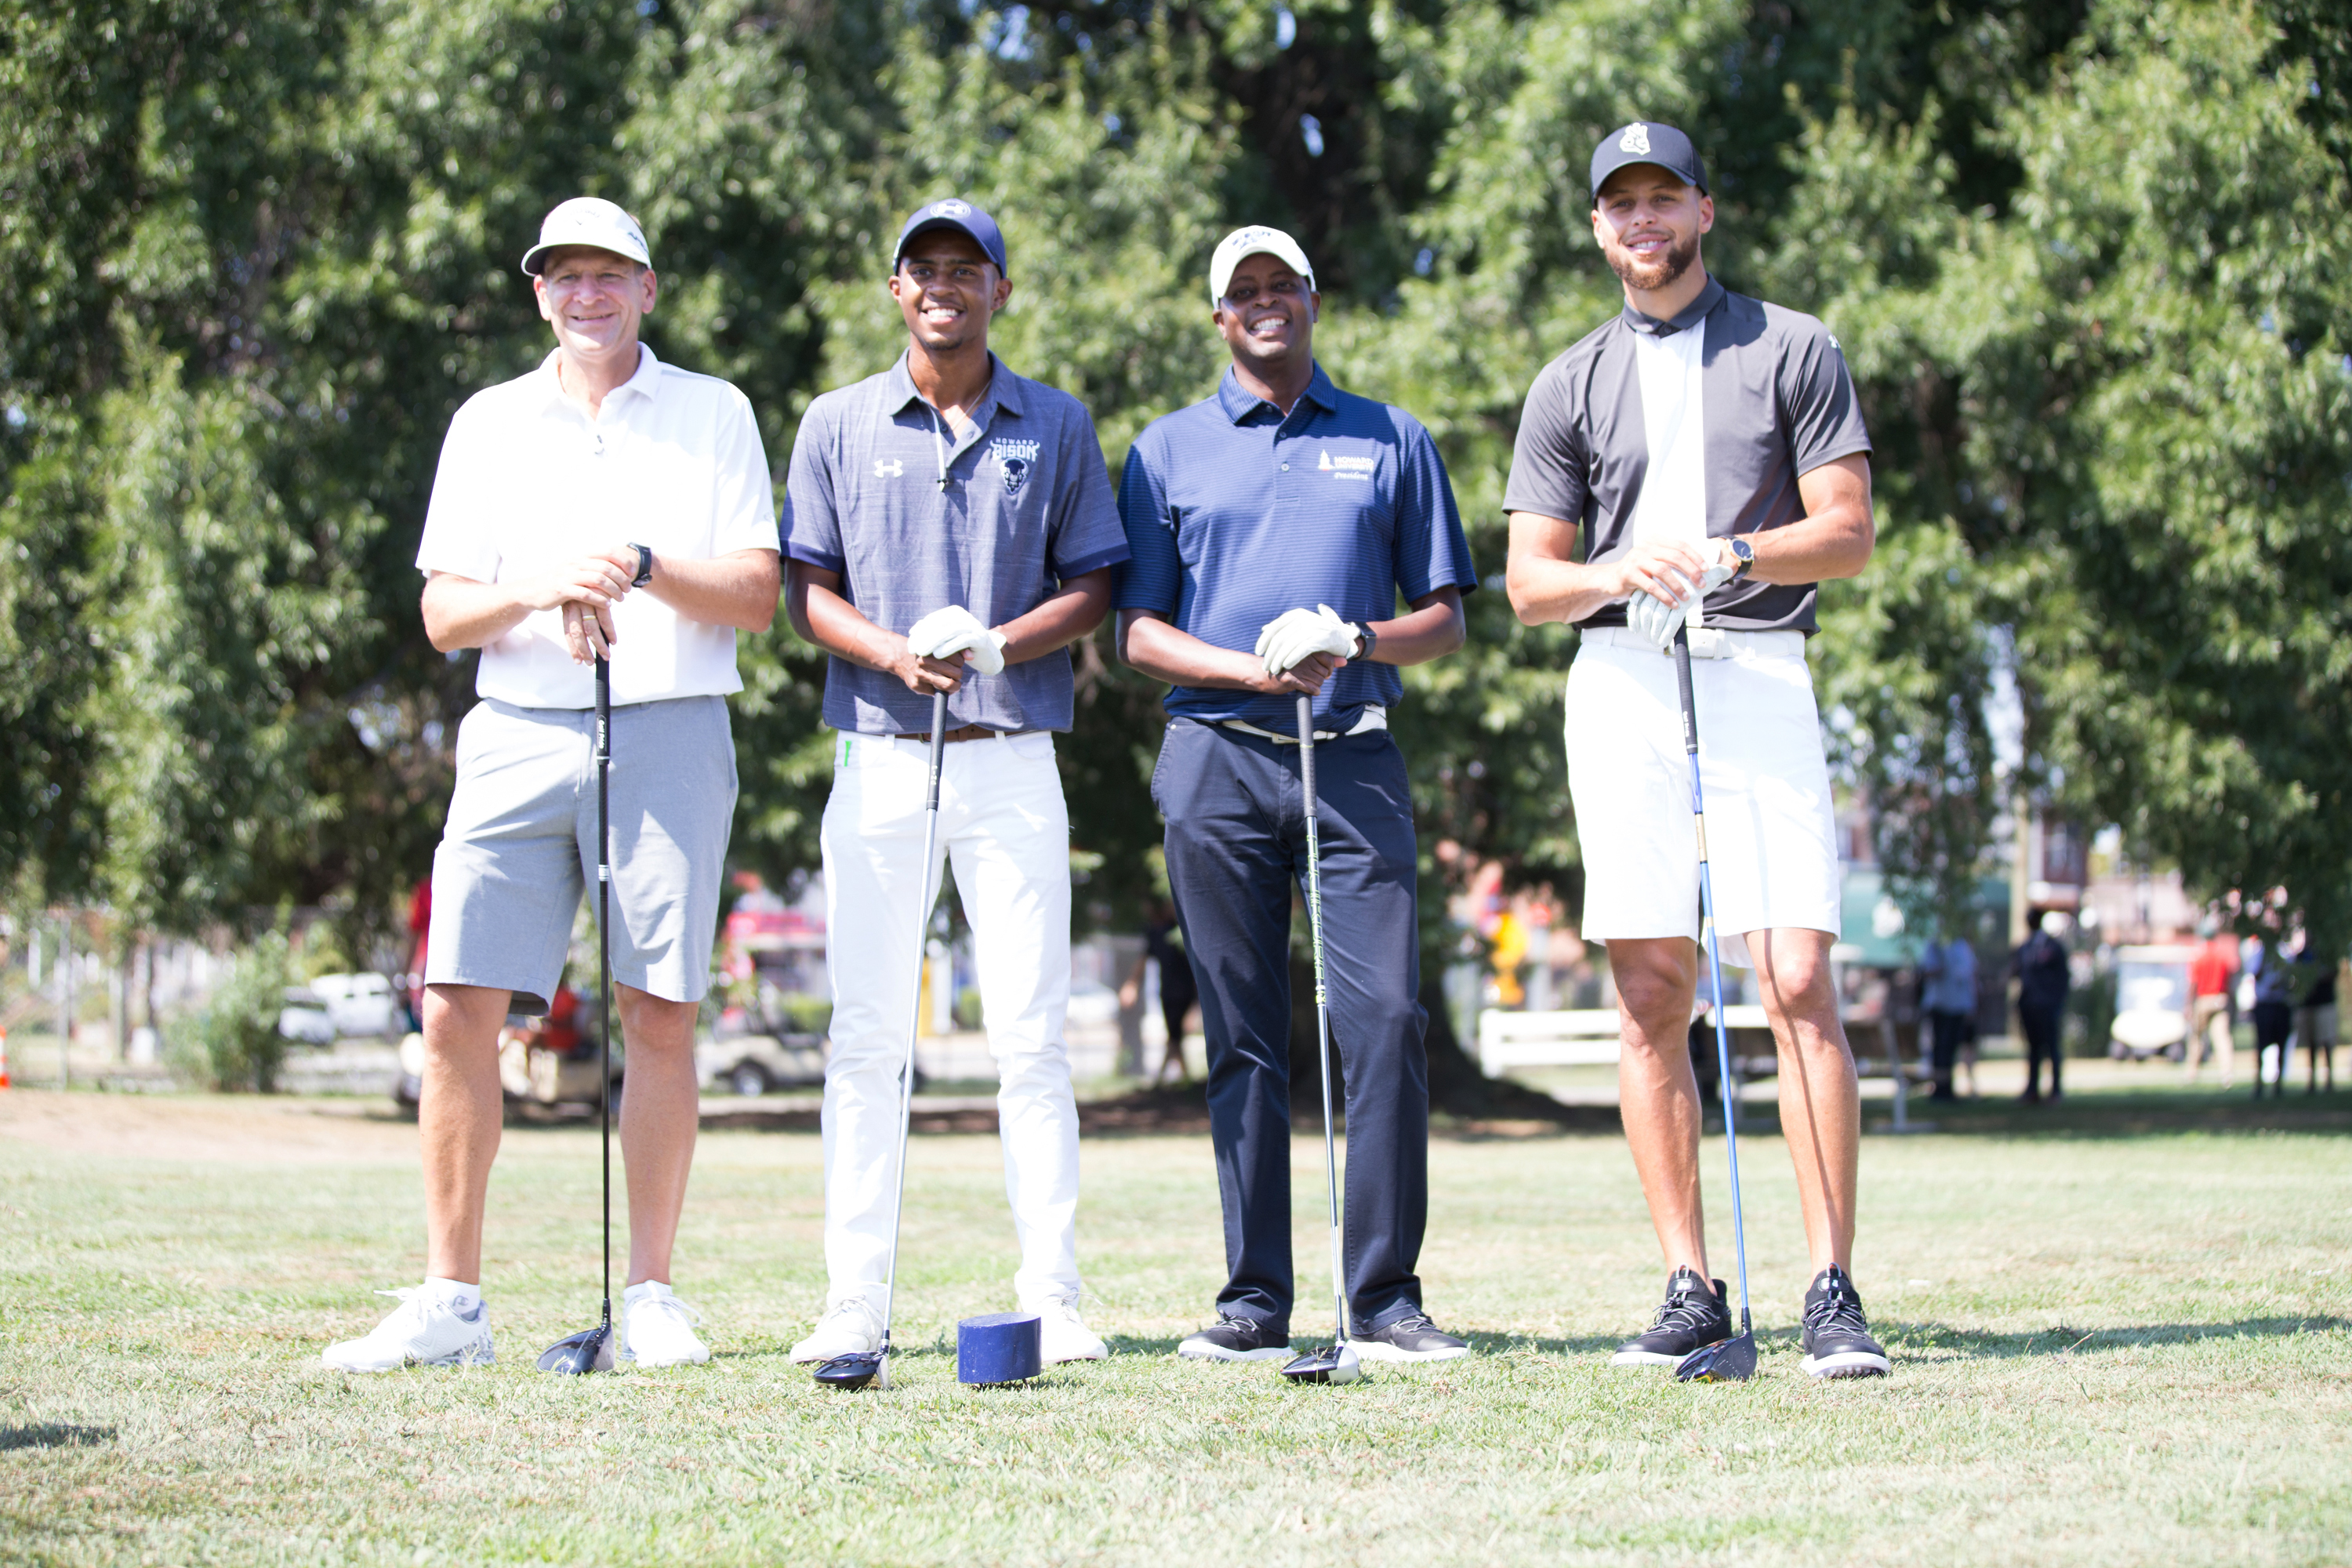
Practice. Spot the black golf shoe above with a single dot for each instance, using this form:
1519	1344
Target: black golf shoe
1237	1339
1411	1338
1692	1316
1836	1341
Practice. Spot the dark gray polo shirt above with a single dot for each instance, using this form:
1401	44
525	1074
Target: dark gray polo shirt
1027	505
1778	403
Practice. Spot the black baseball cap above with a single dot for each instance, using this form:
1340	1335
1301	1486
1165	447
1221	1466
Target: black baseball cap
954	212
1647	142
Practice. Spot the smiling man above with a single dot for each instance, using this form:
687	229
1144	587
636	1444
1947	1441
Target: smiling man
1273	528
1702	443
950	528
606	503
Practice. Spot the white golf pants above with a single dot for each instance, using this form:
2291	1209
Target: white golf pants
1004	822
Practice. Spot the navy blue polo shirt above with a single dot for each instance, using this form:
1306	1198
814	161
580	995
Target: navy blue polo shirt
1235	514
914	516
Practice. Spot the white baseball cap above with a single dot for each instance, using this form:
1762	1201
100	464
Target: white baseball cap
589	220
1255	241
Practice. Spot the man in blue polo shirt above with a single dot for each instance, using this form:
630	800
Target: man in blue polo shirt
950	528
1273	528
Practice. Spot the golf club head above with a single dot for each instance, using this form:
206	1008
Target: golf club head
862	1369
576	1356
1331	1363
1726	1361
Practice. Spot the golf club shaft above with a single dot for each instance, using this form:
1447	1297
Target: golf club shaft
915	1018
1322	1004
1714	964
604	955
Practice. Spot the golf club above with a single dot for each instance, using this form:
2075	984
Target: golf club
1334	1362
1732	1360
590	1350
872	1369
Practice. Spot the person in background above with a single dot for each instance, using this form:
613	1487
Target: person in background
2209	973
2043	981
2314	1013
1164	944
1947	995
2274	987
420	927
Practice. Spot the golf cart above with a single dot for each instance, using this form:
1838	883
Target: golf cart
754	1064
549	1060
2151	1003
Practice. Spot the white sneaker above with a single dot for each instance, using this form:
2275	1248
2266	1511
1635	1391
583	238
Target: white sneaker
853	1328
1062	1336
658	1329
418	1332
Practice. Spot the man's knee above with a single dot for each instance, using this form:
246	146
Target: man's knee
1653	982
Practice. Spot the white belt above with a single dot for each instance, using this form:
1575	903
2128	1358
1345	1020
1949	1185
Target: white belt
1375	718
1705	642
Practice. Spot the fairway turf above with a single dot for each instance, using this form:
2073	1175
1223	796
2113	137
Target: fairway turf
2127	1347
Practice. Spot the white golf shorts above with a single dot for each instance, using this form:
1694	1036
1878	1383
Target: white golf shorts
1770	834
519	846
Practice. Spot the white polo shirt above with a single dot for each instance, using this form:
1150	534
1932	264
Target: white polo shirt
528	481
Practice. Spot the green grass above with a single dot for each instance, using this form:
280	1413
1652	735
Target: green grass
2112	1346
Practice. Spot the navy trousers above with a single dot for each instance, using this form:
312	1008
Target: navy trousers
1237	854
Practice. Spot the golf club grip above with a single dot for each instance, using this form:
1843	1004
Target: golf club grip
1683	678
938	750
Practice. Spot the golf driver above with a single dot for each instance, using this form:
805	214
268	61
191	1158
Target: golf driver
872	1369
1334	1362
590	1350
1732	1360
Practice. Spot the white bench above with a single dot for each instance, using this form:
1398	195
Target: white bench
1582	1037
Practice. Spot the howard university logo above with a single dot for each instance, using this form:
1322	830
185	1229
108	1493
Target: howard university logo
1013	461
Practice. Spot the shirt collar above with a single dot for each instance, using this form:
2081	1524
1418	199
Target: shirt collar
1003	392
1240	405
644	383
1690	316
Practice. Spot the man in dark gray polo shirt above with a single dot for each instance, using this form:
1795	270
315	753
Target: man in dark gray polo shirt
950	526
1704	444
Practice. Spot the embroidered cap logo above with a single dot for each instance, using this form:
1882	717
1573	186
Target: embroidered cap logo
1636	138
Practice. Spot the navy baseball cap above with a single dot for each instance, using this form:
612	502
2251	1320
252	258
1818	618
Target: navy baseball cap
953	212
1647	142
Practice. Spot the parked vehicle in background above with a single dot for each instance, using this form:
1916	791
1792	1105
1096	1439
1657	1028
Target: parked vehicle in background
755	1064
2151	1002
341	1006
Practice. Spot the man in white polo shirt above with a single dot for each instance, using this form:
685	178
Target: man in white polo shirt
1702	443
605	504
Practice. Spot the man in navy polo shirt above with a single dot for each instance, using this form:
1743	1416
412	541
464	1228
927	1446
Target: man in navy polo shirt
950	528
1273	528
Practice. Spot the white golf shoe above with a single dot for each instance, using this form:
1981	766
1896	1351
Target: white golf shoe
851	1328
1062	1336
659	1328
420	1333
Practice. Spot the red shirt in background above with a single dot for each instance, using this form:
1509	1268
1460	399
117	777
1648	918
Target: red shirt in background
2209	971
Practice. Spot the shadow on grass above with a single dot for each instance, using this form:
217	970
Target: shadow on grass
54	1435
2063	1340
1496	1344
2130	1113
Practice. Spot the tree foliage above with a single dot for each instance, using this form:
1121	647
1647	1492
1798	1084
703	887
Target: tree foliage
2087	259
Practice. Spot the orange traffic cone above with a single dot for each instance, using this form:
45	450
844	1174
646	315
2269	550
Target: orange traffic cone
4	1059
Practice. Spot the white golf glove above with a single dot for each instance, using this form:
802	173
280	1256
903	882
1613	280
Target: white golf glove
1655	620
1292	636
957	630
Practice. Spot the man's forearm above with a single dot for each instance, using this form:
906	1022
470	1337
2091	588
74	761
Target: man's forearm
1070	613
1180	658
738	589
1431	629
460	613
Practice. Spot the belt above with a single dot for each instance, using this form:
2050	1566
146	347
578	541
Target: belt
968	732
1375	718
1705	642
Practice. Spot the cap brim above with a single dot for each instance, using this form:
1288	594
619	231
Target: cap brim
531	257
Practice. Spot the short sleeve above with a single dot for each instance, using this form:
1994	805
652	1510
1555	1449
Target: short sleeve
1431	551
1087	535
743	492
1153	577
1821	413
1550	470
811	529
460	537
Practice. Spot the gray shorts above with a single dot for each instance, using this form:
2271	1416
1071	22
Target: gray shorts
520	846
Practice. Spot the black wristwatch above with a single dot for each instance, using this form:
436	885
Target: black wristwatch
644	567
1372	639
